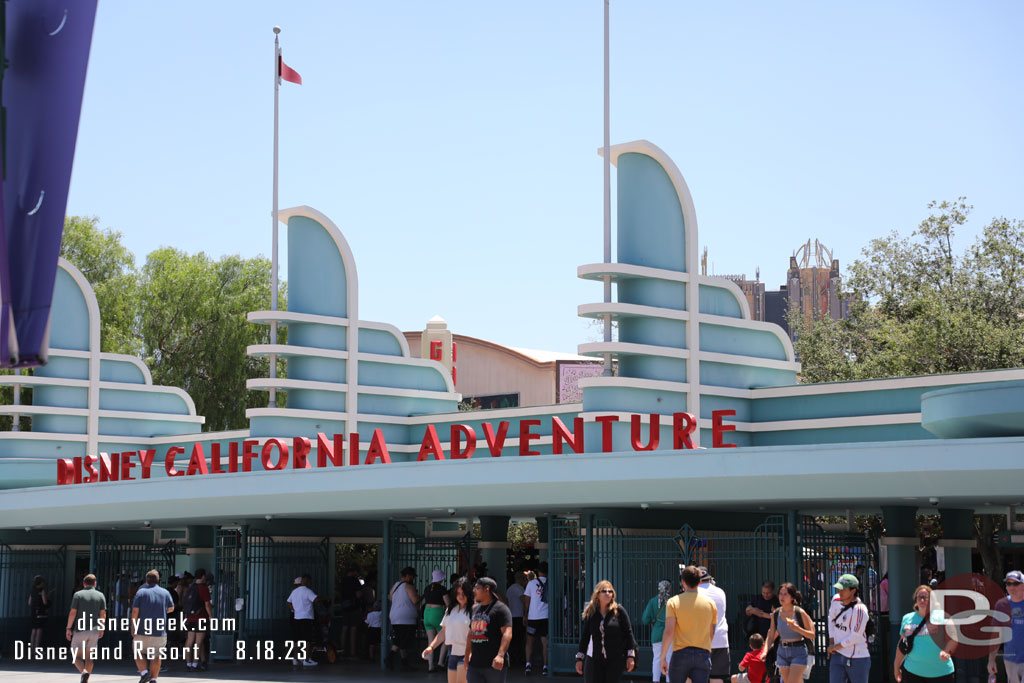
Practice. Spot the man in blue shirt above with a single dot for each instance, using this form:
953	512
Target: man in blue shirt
149	626
1013	651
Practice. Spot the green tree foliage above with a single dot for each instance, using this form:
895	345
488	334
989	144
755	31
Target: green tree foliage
109	267
917	307
184	315
195	333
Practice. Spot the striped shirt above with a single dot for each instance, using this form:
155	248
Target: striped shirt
846	626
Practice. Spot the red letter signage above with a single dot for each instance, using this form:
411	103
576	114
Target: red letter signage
718	429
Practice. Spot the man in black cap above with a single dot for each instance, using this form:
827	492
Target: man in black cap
490	633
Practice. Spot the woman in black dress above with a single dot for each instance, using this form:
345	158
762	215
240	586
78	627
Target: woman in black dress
607	646
39	604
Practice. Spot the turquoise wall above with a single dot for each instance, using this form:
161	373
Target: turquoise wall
650	220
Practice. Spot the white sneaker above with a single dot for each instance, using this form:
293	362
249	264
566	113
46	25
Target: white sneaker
309	662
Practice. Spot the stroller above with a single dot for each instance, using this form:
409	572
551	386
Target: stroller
320	648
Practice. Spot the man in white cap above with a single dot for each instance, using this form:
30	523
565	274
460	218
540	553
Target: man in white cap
301	603
720	663
1013	649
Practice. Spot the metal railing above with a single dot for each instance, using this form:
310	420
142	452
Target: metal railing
18	569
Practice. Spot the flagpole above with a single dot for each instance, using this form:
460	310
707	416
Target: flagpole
273	251
607	197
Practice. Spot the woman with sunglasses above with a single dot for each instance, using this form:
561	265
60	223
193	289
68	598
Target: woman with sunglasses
607	646
793	627
919	659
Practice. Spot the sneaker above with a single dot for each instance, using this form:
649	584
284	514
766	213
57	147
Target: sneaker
529	669
309	662
85	677
296	663
145	678
202	666
545	671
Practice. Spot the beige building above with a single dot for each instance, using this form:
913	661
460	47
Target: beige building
490	375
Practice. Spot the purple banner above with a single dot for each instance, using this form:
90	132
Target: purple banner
47	48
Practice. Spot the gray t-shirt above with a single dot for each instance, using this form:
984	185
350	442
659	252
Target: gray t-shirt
89	602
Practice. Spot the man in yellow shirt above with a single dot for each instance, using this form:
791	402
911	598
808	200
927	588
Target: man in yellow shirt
690	620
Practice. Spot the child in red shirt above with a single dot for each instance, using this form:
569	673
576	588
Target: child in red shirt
752	666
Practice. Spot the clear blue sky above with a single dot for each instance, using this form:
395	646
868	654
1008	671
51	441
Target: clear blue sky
454	143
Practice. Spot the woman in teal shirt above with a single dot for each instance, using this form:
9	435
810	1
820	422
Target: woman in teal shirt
926	662
654	613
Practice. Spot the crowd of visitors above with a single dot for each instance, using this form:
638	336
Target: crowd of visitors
476	635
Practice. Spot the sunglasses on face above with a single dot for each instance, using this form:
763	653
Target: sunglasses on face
609	591
922	597
1011	583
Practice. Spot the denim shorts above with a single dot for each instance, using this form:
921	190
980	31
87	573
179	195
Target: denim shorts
792	655
454	661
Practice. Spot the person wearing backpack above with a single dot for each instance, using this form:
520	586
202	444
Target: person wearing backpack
535	607
793	627
849	623
196	608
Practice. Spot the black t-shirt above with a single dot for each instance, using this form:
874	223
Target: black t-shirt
434	595
485	632
349	587
39	608
762	625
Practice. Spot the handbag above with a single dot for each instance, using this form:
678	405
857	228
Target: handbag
906	643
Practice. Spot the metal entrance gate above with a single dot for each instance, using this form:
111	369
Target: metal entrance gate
261	570
120	570
583	552
18	569
228	568
425	554
824	557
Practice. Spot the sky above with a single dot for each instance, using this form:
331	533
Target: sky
455	143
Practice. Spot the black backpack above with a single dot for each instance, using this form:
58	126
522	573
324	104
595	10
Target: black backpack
190	603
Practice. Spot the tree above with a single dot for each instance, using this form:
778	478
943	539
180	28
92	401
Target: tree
109	267
917	307
195	333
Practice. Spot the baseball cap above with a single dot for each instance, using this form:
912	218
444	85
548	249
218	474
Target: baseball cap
488	582
704	574
298	580
1015	575
847	581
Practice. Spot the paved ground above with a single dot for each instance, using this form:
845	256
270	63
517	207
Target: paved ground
31	672
248	672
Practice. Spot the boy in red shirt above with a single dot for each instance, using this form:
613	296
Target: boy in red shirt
752	666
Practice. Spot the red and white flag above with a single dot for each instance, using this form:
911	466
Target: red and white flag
287	73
